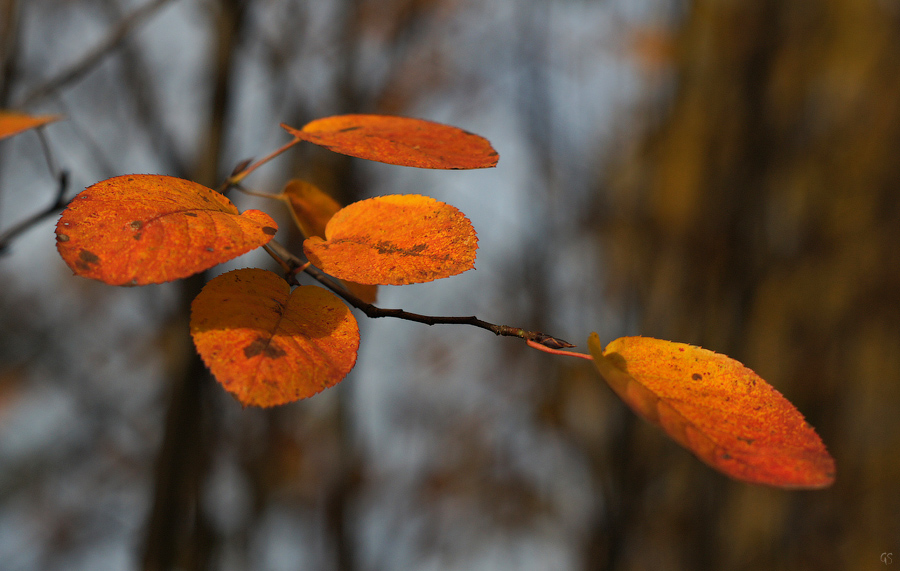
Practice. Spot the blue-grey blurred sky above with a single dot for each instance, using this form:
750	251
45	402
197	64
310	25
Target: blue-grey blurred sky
79	429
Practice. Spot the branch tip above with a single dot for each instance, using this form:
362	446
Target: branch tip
546	349
551	342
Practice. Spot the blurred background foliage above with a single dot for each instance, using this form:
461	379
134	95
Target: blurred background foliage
712	172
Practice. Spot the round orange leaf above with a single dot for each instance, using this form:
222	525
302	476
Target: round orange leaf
399	141
718	409
146	229
268	345
13	123
395	240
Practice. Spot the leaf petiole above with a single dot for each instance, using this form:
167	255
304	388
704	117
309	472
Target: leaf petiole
249	192
552	351
237	177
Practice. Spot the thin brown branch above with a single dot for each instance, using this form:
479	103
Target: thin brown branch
284	256
242	173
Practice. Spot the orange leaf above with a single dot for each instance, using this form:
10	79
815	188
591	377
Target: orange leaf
399	141
13	123
365	292
312	209
718	409
395	240
147	229
268	345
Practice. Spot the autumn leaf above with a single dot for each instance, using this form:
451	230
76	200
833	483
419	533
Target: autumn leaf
13	123
146	229
718	409
399	141
395	240
311	209
310	206
268	345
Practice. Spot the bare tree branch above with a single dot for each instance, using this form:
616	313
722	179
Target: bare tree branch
22	226
91	59
372	311
9	43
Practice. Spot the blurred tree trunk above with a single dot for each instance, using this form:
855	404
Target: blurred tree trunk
178	534
761	218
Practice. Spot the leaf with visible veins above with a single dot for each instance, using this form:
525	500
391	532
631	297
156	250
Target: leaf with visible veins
268	345
718	409
147	229
399	141
395	240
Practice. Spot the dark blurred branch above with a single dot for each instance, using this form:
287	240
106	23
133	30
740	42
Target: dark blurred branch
9	44
229	25
58	204
149	112
48	154
91	59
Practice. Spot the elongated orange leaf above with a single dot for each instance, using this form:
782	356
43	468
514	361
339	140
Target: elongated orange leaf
395	240
146	229
268	345
399	141
13	123
312	208
718	409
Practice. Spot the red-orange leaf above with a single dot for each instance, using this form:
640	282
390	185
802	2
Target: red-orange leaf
395	240
13	123
312	209
146	229
718	409
268	345
399	141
